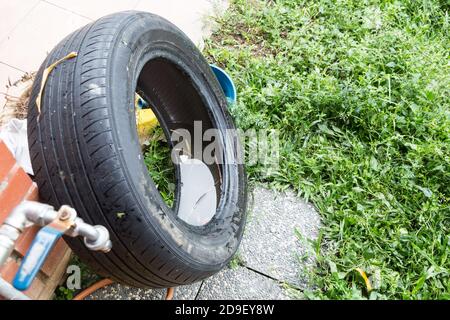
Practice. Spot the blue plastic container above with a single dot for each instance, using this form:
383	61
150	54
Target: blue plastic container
226	83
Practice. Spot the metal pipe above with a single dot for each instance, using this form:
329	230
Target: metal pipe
10	293
23	216
29	212
85	230
39	213
95	237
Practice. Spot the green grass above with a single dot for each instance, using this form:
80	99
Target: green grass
159	164
359	91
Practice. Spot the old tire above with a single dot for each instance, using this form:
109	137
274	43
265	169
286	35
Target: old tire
85	150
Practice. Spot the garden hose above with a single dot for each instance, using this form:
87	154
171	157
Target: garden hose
106	282
88	291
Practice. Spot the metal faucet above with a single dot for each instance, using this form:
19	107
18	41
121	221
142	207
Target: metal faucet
55	224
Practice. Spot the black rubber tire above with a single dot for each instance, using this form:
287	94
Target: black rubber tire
85	151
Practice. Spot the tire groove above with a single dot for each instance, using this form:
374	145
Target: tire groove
98	164
92	110
94	122
96	135
92	69
91	89
91	78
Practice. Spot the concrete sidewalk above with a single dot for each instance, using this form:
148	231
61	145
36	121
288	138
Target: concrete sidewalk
29	29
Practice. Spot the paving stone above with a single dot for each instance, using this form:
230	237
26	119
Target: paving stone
241	284
121	292
270	244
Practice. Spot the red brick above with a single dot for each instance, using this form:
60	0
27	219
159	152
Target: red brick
54	257
24	241
9	269
33	193
36	288
14	193
7	160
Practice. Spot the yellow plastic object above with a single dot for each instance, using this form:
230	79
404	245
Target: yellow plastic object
146	121
45	75
365	278
145	118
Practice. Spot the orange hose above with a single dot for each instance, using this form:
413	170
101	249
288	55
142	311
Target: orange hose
106	282
169	294
83	294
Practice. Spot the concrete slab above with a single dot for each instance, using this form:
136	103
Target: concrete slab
27	45
95	9
12	13
120	292
241	284
270	244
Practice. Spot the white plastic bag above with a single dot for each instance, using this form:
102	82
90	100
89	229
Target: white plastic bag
14	135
